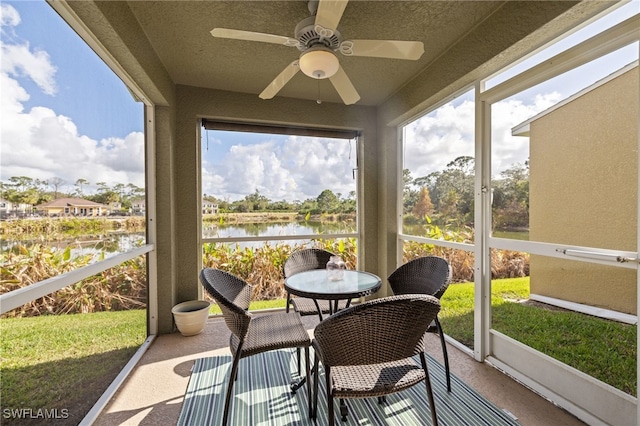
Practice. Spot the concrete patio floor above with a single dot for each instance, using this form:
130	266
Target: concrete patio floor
153	393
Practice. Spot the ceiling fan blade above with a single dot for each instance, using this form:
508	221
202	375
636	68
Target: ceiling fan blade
251	36
329	13
278	83
344	87
394	49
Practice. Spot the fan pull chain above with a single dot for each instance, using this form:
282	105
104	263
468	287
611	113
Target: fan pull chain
318	101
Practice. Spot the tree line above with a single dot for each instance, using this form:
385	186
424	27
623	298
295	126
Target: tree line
448	195
327	202
26	190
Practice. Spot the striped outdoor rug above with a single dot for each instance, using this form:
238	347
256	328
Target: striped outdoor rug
261	397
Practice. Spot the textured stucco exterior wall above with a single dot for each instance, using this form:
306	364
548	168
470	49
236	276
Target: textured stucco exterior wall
583	191
163	121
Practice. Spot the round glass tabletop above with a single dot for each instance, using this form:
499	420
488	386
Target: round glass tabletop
315	284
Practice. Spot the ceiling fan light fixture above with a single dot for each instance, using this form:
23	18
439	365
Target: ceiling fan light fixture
319	62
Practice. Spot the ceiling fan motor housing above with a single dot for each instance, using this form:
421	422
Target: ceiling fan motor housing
309	35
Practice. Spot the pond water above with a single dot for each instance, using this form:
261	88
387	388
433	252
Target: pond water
111	244
106	245
214	230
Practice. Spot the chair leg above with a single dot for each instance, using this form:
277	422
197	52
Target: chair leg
330	414
308	379
343	410
232	377
427	380
445	355
315	386
287	311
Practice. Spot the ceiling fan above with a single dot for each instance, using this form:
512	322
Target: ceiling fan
318	40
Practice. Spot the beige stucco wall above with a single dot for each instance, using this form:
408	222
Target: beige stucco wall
583	192
54	210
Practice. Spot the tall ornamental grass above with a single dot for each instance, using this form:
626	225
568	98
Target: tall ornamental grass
263	266
122	287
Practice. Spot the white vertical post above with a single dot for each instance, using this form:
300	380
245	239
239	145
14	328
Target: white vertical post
152	257
482	220
400	191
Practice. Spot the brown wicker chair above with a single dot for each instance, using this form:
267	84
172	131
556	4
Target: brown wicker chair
252	334
307	260
367	349
425	275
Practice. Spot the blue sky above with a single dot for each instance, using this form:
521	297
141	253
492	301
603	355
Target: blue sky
53	126
64	113
117	114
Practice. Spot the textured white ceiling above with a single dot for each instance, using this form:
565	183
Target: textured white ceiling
179	32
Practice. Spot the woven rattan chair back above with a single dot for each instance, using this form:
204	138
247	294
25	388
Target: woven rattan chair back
366	350
306	260
232	295
425	275
252	335
381	330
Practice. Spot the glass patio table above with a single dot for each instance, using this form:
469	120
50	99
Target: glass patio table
315	284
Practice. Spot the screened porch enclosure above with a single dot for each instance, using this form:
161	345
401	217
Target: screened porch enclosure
166	56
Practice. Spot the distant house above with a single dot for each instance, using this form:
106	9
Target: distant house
209	208
7	208
583	190
72	206
138	206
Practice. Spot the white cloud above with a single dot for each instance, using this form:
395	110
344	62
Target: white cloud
508	149
9	16
42	144
300	168
280	168
437	139
18	59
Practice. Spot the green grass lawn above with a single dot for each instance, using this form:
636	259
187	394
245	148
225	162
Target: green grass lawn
601	348
65	362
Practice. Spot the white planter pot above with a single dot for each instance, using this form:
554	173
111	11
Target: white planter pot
191	316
